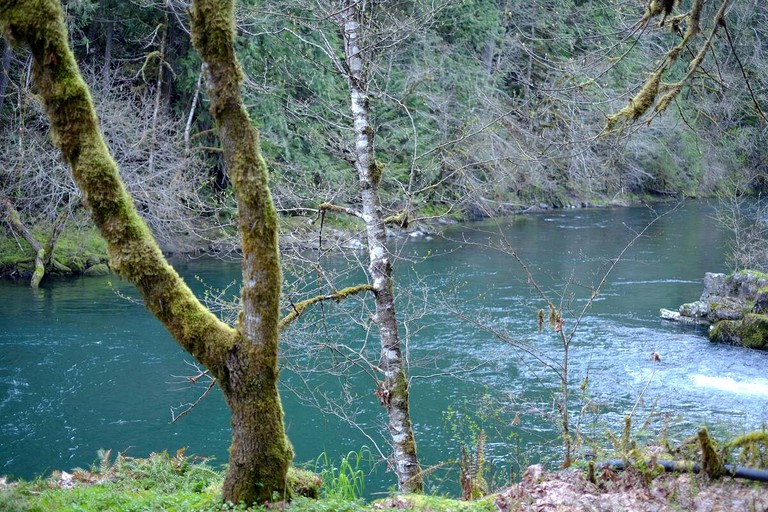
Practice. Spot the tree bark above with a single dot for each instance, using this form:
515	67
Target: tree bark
244	359
5	65
50	244
109	36
260	453
158	98
393	391
14	220
488	54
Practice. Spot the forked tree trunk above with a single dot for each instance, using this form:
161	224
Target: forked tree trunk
393	390
244	359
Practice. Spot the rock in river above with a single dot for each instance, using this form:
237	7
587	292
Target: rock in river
734	305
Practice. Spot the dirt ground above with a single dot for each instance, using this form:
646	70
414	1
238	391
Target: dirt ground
630	491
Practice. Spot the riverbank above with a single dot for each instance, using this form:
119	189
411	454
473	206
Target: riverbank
734	306
80	250
181	483
77	251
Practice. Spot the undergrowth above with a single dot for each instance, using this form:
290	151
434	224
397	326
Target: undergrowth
345	481
159	482
177	482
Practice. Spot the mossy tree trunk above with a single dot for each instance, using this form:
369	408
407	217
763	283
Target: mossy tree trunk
244	358
393	390
14	220
260	452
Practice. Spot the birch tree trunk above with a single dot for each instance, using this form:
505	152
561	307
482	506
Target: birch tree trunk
243	359
393	391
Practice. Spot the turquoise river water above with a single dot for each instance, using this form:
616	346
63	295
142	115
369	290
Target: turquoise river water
82	367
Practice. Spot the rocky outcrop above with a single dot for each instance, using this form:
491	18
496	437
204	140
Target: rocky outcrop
735	307
751	331
675	316
100	269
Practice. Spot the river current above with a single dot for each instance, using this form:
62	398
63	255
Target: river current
84	367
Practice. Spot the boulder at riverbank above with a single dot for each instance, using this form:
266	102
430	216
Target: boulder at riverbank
734	306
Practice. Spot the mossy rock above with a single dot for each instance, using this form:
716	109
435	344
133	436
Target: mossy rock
754	331
749	273
725	331
100	269
698	309
761	301
92	260
304	483
76	263
745	284
751	332
725	308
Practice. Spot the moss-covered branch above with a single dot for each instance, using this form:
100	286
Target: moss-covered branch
671	91
14	220
641	102
299	307
330	207
399	219
753	448
213	36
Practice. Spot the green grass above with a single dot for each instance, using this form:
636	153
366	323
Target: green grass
11	252
179	483
345	480
159	482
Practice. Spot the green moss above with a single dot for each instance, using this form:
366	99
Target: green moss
756	273
401	387
639	104
750	332
304	482
76	249
10	251
753	331
752	448
724	331
435	504
99	269
399	394
39	272
711	464
376	171
399	219
299	308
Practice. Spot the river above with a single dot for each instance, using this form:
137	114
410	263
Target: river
83	367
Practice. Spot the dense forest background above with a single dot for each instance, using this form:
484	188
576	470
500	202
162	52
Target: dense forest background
480	107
